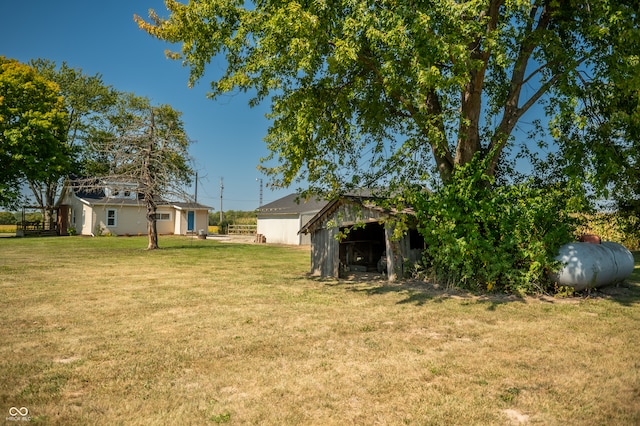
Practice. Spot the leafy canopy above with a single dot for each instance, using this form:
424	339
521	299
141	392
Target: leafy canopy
32	129
383	92
85	97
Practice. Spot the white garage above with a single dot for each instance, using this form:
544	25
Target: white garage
280	220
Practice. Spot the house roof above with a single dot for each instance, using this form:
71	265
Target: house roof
292	204
93	193
190	206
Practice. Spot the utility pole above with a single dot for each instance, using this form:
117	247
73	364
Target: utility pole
221	188
260	180
196	195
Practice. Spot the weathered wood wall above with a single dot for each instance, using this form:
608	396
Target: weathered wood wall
325	260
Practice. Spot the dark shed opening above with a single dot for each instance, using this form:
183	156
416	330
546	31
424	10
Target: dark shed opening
363	247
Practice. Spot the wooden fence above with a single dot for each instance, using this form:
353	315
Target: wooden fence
25	228
242	229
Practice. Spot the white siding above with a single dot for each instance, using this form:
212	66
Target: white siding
164	226
131	220
305	239
201	221
281	229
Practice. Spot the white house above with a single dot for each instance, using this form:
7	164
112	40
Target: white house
116	208
280	221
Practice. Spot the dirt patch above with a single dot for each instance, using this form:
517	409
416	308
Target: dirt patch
515	417
245	239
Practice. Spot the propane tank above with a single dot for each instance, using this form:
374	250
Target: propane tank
588	265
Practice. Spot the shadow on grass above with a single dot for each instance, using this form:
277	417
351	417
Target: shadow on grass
203	244
187	246
420	292
416	292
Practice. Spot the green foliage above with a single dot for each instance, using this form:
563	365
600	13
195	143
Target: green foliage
221	418
377	93
234	217
84	99
32	129
486	238
605	146
7	218
620	227
29	216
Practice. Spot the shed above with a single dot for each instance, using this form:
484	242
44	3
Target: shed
280	221
366	247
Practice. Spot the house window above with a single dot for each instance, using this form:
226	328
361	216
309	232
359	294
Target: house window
163	216
112	217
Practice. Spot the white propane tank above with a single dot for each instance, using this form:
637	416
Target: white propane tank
588	265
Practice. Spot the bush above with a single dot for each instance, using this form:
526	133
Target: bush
7	218
485	238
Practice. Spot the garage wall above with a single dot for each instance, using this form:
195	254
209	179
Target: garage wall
281	229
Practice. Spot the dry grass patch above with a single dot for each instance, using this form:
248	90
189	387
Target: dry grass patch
100	331
8	229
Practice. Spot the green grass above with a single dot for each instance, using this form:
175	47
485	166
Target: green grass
101	331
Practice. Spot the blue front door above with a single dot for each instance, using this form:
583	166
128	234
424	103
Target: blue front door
191	219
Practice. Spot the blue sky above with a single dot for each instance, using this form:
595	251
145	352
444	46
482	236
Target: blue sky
102	38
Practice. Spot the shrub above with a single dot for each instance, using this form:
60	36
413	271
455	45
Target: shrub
481	237
7	218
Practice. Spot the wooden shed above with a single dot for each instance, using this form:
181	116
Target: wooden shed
367	244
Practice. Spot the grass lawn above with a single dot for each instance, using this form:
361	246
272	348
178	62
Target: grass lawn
100	331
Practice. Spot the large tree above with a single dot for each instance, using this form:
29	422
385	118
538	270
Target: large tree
32	129
85	98
379	92
138	143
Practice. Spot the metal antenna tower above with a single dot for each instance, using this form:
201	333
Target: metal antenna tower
221	188
260	180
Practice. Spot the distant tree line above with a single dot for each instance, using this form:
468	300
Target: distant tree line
10	218
232	217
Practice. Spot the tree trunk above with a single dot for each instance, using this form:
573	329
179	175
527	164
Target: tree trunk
50	204
152	228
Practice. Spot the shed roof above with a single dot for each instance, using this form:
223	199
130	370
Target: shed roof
356	199
292	204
